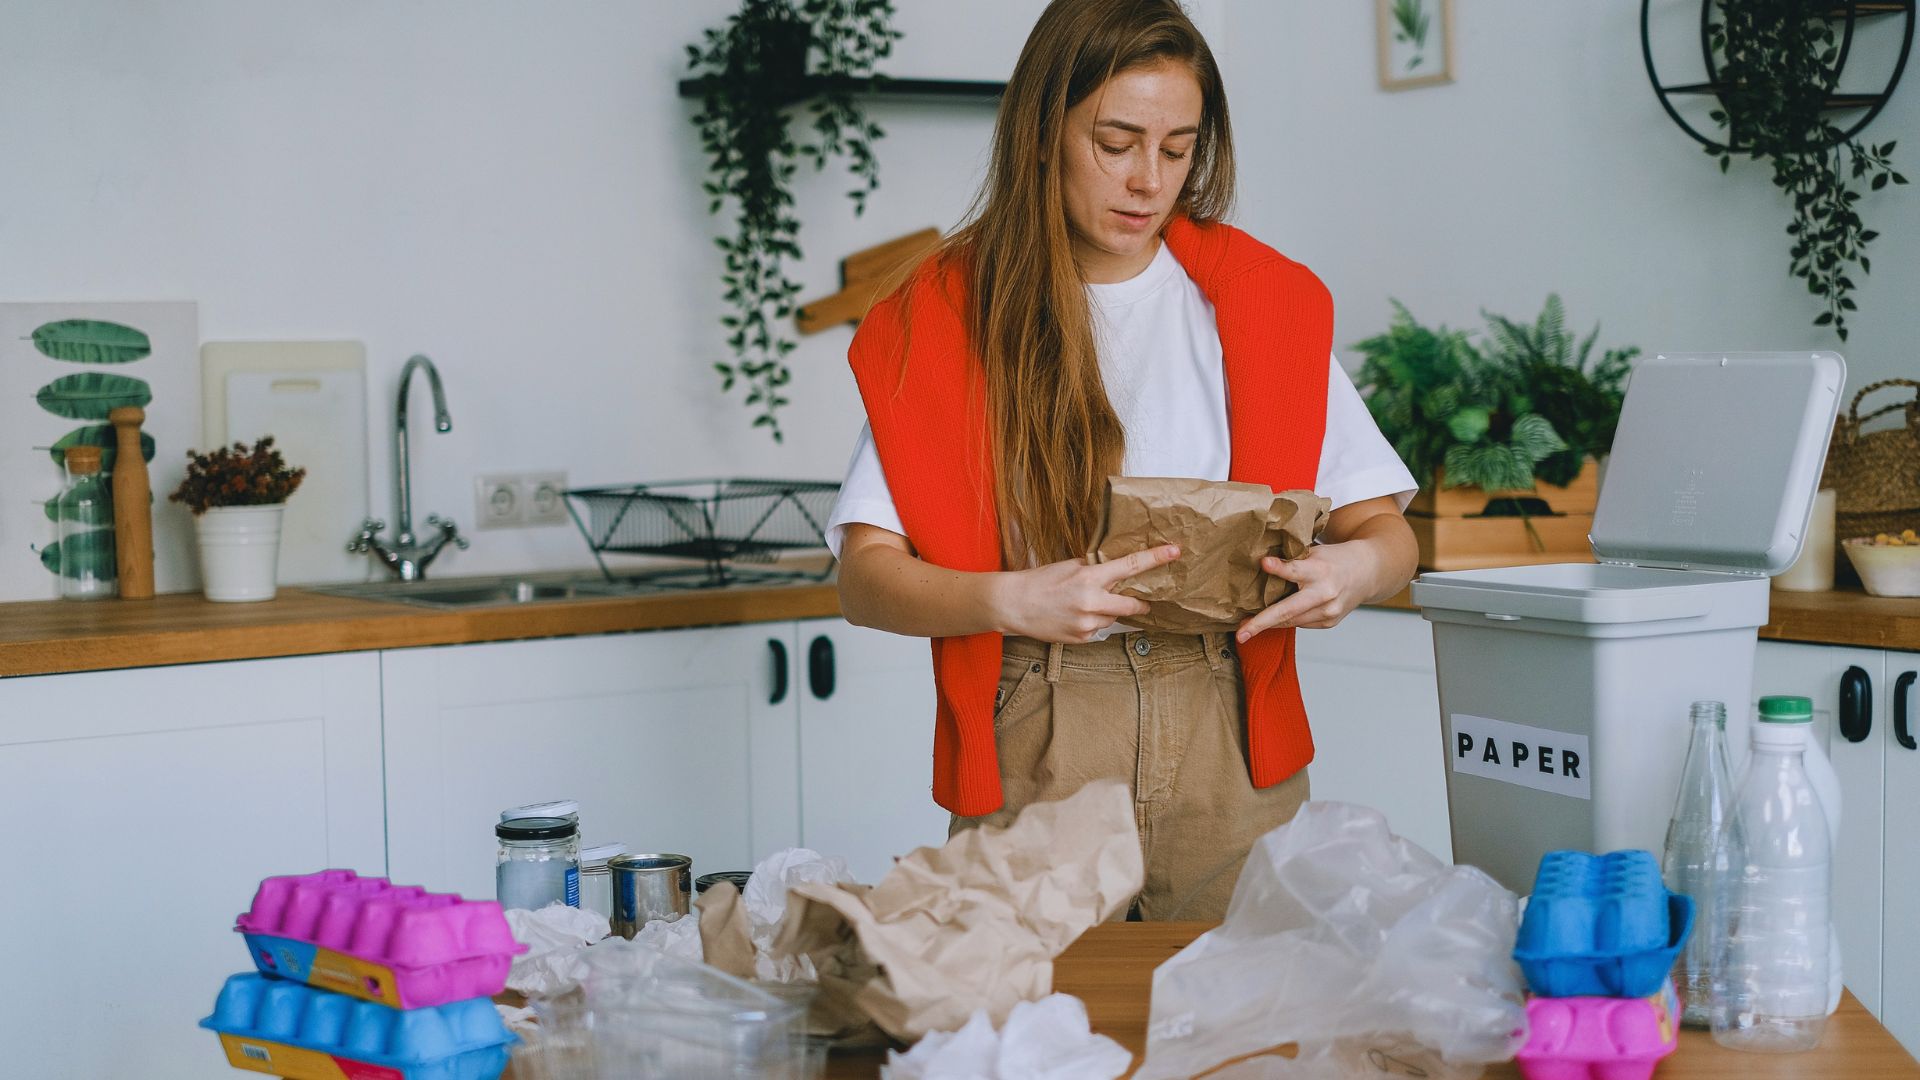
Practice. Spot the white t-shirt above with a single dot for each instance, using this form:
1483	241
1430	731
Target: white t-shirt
1160	358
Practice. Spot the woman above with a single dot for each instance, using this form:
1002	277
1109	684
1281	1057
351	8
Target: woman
1094	317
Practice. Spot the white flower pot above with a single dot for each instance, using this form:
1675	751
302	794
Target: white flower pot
239	552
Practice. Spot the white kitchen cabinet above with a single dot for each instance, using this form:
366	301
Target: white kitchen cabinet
1900	993
1816	672
144	806
1375	709
669	740
866	706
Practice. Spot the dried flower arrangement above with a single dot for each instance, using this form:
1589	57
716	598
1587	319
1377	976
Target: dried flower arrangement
237	477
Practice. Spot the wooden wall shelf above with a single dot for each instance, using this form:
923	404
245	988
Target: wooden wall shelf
879	86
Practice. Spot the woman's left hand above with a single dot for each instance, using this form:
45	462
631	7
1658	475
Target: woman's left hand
1333	578
1369	555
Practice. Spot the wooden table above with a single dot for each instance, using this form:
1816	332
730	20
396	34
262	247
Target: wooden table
1111	969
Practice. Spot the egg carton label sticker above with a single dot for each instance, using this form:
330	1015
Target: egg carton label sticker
1534	757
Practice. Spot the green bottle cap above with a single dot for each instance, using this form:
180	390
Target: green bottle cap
1786	709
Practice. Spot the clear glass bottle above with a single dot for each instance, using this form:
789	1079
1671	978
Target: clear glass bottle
1689	862
1770	984
84	514
538	862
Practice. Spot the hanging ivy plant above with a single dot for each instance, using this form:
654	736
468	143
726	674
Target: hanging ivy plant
1778	64
764	59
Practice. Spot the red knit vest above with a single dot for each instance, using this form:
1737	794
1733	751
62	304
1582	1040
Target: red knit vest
929	423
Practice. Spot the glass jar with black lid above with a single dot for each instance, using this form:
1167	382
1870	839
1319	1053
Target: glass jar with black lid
538	862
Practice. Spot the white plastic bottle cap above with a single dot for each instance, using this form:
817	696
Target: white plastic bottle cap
561	808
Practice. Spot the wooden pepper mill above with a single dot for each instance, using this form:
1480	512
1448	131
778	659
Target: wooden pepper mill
132	506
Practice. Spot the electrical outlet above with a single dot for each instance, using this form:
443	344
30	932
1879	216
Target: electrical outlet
546	495
498	502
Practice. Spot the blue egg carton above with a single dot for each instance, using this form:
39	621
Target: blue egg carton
1601	926
293	1030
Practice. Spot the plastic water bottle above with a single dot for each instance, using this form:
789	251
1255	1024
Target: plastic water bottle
1770	986
1688	865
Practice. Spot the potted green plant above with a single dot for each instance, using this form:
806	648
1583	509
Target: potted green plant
1501	426
752	69
238	497
1777	65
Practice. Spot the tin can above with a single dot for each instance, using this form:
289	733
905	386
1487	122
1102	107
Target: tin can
649	887
707	881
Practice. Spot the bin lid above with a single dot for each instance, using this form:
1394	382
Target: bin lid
1716	460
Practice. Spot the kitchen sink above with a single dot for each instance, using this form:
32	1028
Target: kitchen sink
489	592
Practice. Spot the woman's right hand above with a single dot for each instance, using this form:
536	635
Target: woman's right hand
1071	601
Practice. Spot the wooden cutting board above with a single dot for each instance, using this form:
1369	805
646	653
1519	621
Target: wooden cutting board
311	396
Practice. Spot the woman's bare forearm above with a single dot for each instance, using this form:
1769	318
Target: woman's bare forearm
889	589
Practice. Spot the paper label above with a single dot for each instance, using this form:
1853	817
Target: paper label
324	968
1540	758
573	887
300	1063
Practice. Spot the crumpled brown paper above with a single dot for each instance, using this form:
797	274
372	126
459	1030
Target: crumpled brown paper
971	925
1224	529
727	940
726	937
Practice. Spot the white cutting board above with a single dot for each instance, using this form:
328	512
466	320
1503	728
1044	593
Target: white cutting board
311	396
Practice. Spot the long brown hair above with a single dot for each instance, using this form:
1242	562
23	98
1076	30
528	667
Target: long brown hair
1055	436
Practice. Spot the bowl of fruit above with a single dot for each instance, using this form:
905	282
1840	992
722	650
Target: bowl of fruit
1888	563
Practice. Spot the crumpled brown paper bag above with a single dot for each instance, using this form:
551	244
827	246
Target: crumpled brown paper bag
971	925
1223	528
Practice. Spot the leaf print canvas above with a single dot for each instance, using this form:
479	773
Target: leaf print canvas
63	367
1416	42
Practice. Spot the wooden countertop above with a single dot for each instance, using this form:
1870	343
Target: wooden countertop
1841	617
49	636
1111	969
43	637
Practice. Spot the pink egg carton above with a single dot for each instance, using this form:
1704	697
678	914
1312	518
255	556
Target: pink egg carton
396	944
1599	1038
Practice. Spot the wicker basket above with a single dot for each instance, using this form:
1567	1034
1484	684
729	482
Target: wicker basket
1876	475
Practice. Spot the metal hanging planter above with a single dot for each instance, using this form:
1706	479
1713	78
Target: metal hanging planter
1855	13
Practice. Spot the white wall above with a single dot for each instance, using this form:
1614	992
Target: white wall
513	189
1548	165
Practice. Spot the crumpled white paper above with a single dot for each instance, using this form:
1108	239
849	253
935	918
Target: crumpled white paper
766	893
558	939
1047	1039
554	936
519	1021
677	937
1359	946
765	899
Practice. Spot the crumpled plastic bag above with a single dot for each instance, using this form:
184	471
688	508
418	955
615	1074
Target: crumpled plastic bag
1358	946
1048	1039
555	936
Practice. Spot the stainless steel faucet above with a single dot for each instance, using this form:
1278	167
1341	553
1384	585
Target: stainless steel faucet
408	556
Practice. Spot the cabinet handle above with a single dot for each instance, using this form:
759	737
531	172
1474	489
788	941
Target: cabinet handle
1856	705
820	667
779	649
1902	734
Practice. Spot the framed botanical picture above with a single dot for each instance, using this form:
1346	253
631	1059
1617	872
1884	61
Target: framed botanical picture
1416	42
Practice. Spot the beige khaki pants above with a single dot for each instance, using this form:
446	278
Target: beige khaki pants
1164	712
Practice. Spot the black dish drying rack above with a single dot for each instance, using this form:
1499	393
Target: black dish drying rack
721	524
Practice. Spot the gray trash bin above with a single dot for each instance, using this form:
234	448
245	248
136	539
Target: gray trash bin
1564	688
